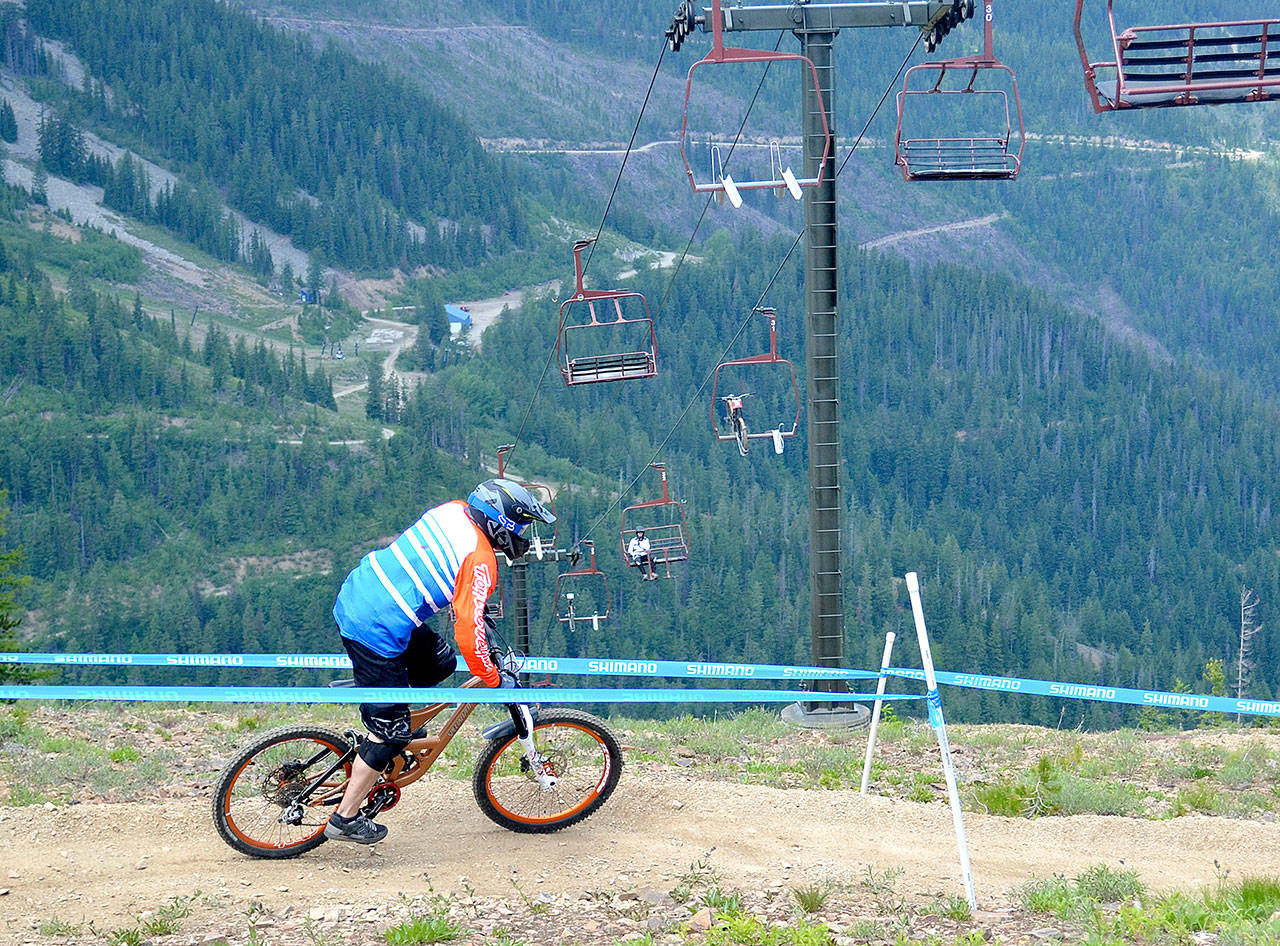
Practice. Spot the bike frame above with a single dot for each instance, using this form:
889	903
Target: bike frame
424	751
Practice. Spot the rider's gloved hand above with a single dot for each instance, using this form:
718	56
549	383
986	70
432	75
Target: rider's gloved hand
507	680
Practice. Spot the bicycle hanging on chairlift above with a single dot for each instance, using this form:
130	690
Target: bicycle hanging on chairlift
737	423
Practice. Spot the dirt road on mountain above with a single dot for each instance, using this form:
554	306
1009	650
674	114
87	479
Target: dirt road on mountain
113	863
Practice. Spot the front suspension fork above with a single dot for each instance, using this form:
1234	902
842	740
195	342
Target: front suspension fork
538	764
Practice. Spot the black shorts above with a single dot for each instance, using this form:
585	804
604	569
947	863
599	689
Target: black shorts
425	662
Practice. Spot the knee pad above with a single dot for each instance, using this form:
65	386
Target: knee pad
378	755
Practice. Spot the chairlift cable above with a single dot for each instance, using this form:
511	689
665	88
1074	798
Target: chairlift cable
777	272
667	293
616	181
630	144
889	88
706	206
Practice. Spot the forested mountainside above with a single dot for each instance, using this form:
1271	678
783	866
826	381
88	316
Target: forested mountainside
362	167
1076	510
1061	420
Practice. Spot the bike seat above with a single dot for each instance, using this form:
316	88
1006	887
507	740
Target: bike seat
349	682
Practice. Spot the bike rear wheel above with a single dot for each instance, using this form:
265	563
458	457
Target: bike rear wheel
578	748
253	803
740	433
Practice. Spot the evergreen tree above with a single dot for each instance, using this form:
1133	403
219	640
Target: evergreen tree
8	123
10	613
40	185
374	405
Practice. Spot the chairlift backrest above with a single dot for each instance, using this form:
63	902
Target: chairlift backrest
604	334
1210	63
782	180
663	522
764	427
993	152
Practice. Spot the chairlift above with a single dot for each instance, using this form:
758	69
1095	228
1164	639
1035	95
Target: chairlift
604	334
662	521
777	426
782	179
1211	63
582	595
989	91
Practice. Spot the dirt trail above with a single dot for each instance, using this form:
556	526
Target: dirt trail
112	862
986	221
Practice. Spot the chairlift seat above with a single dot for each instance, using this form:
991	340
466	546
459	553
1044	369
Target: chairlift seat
621	367
608	313
576	582
1212	63
663	523
973	157
958	159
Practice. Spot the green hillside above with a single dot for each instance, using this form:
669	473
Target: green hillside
1061	420
362	167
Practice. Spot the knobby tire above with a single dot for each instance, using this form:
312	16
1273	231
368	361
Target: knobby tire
582	751
740	433
258	784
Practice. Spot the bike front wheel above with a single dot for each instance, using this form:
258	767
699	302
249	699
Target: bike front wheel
259	806
576	747
740	433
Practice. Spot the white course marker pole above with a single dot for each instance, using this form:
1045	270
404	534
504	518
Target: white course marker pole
875	710
939	725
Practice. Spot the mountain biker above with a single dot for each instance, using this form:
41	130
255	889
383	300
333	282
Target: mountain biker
445	558
638	552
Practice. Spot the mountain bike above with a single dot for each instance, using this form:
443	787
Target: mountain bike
733	402
540	771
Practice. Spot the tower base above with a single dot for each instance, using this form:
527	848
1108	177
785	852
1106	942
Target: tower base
826	715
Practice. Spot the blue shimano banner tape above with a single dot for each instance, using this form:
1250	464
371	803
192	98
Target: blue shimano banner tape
199	694
603	666
933	701
1159	699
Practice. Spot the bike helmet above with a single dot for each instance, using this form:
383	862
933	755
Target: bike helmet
503	510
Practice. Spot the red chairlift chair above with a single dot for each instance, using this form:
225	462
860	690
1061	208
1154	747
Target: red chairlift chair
595	324
779	428
663	522
582	597
976	157
1183	64
782	180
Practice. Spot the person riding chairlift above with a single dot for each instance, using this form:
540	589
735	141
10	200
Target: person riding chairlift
638	552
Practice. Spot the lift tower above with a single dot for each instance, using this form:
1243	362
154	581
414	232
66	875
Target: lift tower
816	26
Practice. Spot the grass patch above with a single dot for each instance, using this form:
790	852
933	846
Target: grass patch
812	898
1078	898
433	926
721	901
954	907
60	929
740	930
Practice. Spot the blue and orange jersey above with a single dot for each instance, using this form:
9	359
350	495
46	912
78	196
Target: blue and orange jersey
440	560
